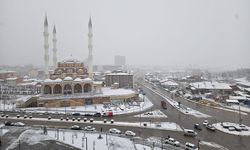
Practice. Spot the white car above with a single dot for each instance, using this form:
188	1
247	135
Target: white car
114	131
190	146
89	128
188	132
130	133
172	141
19	124
205	123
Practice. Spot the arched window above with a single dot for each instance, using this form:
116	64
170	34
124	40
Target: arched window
77	88
47	89
87	88
67	89
57	89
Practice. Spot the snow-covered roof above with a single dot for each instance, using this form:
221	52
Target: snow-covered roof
68	78
237	97
243	81
170	83
120	73
27	84
78	80
47	81
71	59
9	79
211	85
117	92
52	81
87	79
232	101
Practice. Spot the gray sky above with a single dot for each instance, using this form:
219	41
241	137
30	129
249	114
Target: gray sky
203	33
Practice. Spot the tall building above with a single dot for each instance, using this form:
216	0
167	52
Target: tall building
54	48
120	60
125	80
90	47
46	48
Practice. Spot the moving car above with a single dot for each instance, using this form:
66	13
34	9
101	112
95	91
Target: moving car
75	127
172	141
188	132
197	126
205	122
18	124
130	133
89	128
8	123
114	131
190	146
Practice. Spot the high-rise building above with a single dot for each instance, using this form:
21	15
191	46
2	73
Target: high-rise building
120	60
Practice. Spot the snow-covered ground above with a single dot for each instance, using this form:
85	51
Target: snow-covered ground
80	139
31	137
116	109
182	108
3	131
219	127
213	145
152	114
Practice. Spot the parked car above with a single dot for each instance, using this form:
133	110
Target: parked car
97	115
114	131
205	122
19	124
76	114
172	141
88	114
18	116
190	146
231	128
49	117
130	133
75	127
89	128
244	128
188	132
225	125
197	126
25	116
210	127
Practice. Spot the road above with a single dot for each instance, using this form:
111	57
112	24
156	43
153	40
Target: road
187	121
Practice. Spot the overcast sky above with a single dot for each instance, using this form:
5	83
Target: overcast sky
203	33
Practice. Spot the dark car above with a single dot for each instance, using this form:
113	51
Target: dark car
197	126
88	114
76	114
8	123
97	115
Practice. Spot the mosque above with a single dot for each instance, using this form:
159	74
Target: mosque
71	82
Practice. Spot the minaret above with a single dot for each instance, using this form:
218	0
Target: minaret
54	48
46	48
90	46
